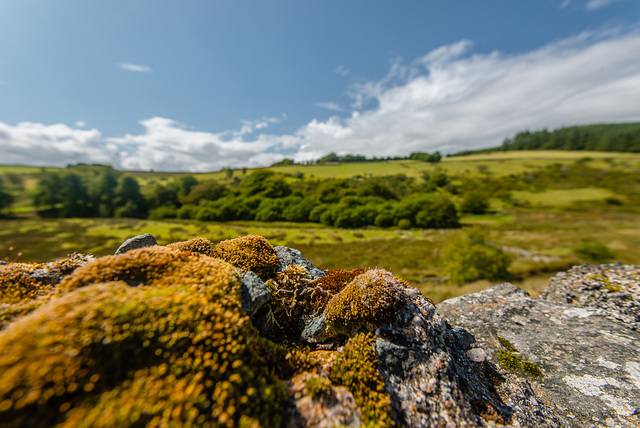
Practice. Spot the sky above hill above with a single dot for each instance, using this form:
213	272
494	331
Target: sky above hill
205	84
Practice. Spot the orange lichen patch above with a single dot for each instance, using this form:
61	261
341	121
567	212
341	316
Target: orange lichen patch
195	245
20	282
368	300
179	351
357	369
251	252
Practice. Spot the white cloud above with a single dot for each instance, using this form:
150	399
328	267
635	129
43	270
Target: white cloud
168	146
81	124
597	4
565	3
135	67
450	99
342	71
57	145
329	106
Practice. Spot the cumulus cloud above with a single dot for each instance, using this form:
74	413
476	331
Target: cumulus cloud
453	99
135	67
450	99
81	124
58	145
167	145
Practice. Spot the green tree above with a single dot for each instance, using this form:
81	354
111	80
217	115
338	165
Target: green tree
469	257
128	199
6	199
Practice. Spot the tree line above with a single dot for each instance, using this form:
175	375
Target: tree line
623	137
350	158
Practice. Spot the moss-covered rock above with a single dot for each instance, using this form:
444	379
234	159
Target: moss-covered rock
196	245
251	252
368	300
177	351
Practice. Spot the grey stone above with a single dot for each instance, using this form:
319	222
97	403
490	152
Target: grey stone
433	383
254	292
140	241
590	363
611	290
316	331
290	256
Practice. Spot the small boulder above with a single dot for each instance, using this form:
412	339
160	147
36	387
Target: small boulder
140	241
290	256
254	292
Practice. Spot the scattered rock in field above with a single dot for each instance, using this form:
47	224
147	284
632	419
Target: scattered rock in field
140	241
585	364
610	290
254	292
290	256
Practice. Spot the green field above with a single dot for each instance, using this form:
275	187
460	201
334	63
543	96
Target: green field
542	227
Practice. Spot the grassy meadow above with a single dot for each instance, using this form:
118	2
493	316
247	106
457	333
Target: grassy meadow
541	232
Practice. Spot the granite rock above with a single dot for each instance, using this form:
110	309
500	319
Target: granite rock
290	256
254	292
590	364
610	290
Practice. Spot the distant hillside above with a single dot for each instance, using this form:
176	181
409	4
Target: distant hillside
623	137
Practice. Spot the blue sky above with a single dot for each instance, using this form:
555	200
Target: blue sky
205	84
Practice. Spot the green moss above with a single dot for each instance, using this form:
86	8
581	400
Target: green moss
506	344
607	284
178	351
508	360
370	299
357	369
531	369
318	387
251	253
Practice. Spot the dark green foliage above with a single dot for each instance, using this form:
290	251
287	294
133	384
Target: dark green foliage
5	198
475	202
623	137
594	252
426	157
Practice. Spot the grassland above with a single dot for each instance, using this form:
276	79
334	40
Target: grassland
549	226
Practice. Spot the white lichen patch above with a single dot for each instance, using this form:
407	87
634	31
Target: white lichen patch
594	387
578	313
608	364
633	368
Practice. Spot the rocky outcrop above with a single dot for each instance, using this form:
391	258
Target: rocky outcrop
576	359
245	334
610	290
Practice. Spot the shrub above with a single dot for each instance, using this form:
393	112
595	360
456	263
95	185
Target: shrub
594	252
475	203
404	224
469	257
163	212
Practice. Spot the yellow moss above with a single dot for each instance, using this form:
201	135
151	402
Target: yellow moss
21	282
357	369
177	351
252	253
371	298
195	245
